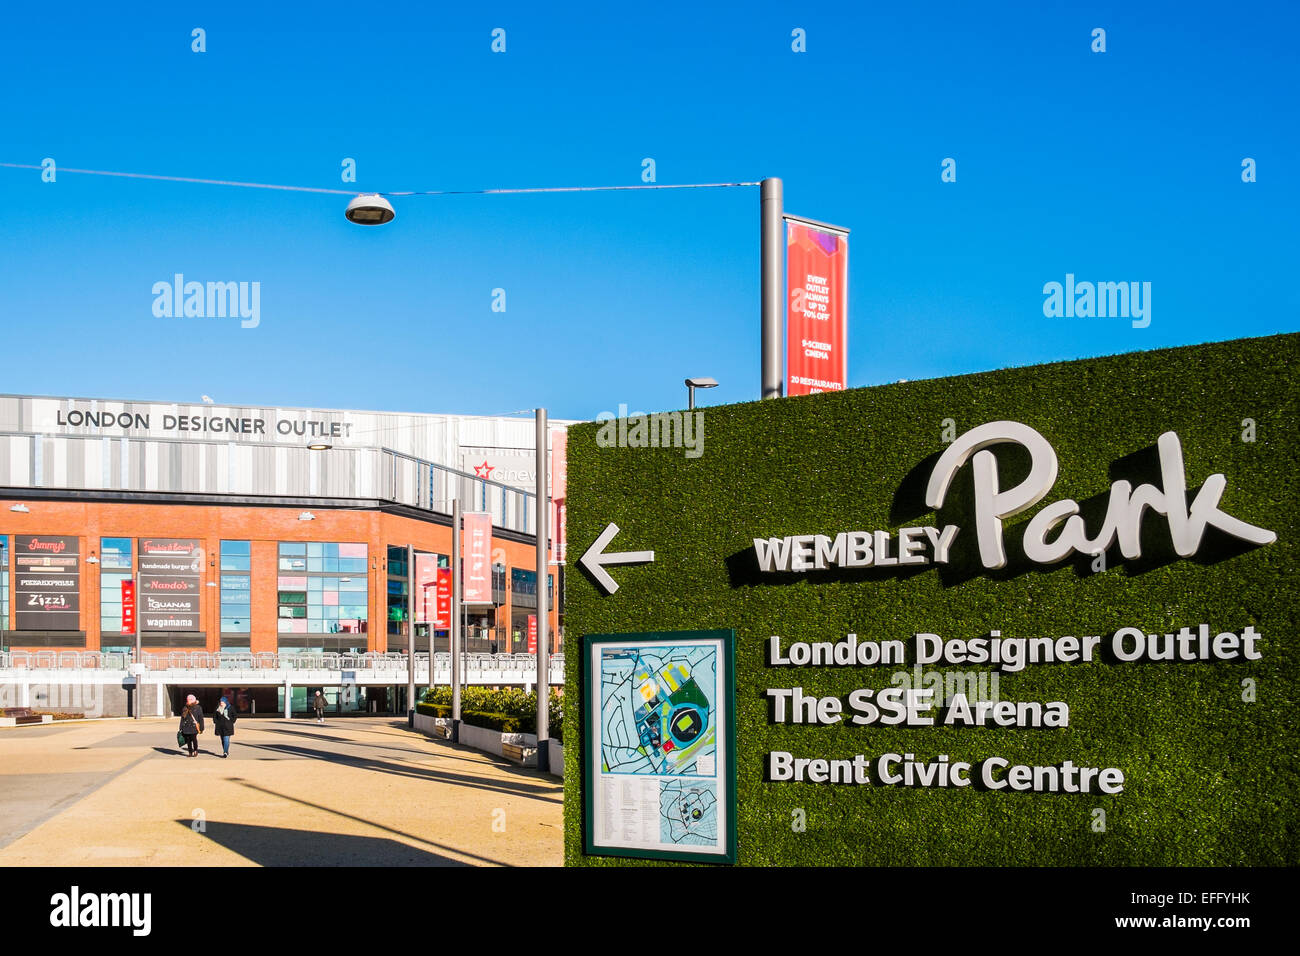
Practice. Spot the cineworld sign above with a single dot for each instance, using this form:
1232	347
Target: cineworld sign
932	545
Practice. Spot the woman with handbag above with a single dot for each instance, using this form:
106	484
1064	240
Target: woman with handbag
223	722
188	737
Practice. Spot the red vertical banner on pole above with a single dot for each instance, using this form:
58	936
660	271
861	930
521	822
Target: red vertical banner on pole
426	576
128	607
442	619
817	309
478	559
532	634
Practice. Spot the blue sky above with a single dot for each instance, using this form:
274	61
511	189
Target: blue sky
1115	166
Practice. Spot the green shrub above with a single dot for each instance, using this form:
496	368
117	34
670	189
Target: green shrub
509	710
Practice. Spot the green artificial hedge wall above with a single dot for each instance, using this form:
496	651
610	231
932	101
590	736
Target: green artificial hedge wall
1210	779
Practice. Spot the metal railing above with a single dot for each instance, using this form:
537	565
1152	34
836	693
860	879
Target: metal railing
169	661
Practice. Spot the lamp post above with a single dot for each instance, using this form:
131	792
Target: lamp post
4	570
772	296
543	649
454	615
692	384
410	636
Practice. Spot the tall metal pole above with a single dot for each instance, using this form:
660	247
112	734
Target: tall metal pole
772	232
139	673
410	635
543	618
455	616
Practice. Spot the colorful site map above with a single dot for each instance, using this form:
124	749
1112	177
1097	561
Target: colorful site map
658	710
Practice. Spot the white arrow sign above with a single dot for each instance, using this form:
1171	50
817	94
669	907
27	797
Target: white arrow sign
595	558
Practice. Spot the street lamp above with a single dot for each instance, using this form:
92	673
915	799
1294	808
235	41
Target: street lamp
692	384
369	209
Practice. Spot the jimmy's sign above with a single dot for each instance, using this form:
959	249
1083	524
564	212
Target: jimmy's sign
1052	535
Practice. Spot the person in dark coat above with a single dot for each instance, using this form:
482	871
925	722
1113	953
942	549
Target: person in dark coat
318	705
223	722
196	709
191	725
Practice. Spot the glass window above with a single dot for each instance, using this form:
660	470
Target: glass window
4	580
114	567
308	600
236	589
115	553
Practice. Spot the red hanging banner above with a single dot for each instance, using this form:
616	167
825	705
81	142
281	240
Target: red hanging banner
442	622
478	559
128	606
817	308
426	571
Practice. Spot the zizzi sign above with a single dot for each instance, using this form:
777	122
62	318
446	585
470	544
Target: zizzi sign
47	582
1122	522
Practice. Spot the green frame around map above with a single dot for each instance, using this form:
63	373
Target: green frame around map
726	736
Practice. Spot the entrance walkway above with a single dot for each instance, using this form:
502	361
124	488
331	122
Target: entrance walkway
352	792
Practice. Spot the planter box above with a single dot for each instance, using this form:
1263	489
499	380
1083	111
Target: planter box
557	757
34	719
520	749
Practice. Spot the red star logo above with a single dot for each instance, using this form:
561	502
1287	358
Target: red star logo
484	470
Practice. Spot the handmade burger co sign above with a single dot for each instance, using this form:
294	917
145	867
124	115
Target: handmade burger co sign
1054	533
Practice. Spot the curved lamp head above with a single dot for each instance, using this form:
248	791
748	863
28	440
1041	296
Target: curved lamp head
369	209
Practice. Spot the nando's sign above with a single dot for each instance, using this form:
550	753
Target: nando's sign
1055	533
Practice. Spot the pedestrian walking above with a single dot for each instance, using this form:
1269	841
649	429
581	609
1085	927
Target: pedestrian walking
318	705
223	722
191	726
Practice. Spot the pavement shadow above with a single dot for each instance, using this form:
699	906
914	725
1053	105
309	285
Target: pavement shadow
548	792
277	846
350	741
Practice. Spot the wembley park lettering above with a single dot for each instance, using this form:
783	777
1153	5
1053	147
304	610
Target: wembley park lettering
992	505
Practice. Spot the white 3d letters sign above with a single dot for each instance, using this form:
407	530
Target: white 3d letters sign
1123	519
1123	512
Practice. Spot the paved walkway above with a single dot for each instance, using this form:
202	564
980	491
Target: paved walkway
354	792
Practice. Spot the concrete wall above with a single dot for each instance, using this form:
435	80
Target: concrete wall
90	699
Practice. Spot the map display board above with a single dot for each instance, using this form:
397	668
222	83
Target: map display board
658	715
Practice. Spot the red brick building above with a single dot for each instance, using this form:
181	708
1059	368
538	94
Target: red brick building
253	530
